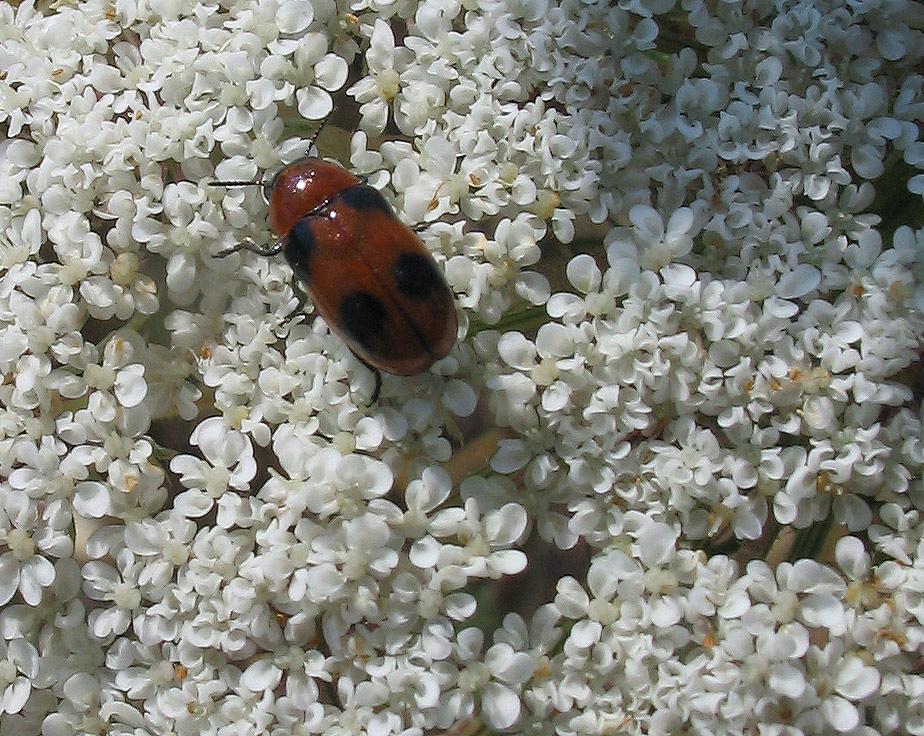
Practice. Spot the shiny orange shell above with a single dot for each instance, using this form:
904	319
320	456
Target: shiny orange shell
369	275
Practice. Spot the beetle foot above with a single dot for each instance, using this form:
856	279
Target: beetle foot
250	244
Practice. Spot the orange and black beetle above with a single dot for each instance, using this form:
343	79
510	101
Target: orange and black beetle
369	275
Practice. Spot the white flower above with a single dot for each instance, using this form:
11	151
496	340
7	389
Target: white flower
23	567
480	540
228	464
116	381
17	669
841	681
102	582
378	89
651	243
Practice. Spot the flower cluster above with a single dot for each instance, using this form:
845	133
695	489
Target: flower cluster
689	352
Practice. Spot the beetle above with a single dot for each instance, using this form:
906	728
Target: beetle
369	275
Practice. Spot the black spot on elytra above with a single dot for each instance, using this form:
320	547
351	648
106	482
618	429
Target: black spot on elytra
363	316
416	275
299	247
363	198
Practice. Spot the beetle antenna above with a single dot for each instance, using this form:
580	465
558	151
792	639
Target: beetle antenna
317	131
235	183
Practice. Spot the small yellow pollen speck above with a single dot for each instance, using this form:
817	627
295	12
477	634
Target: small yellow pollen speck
350	19
858	291
436	198
897	291
749	385
794	373
861	595
896	636
57	72
206	352
709	641
124	269
389	84
546	203
543	669
179	673
236	416
610	728
475	180
775	384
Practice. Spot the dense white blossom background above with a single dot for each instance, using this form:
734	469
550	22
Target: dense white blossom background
668	481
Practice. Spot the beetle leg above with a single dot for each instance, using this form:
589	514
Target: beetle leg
378	380
378	386
299	310
274	249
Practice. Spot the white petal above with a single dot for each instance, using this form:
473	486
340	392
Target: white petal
15	695
459	398
331	72
56	725
91	499
25	656
460	606
656	543
840	713
508	561
35	574
804	279
294	16
324	581
852	557
193	503
824	611
665	612
649	227
867	161
369	434
787	680
9	577
500	705
555	340
313	102
82	689
181	272
511	456
261	675
430	491
571	599
856	680
556	397
516	351
583	273
507	524
130	386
